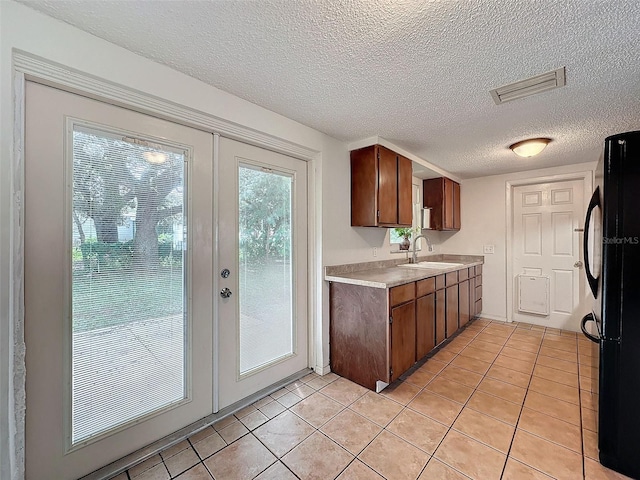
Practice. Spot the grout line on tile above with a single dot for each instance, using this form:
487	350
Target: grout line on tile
515	430
469	339
584	472
450	427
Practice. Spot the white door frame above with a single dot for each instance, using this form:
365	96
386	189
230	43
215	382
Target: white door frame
587	183
29	67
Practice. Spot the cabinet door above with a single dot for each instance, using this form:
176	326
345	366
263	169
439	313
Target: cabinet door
452	309
425	325
478	293
464	303
405	202
432	195
448	205
456	206
403	338
441	308
388	187
364	185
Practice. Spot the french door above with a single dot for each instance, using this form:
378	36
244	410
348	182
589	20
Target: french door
263	269
119	267
118	281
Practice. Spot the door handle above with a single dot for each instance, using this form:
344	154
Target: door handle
578	264
585	319
595	202
225	293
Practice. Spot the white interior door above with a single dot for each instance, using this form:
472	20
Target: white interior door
118	281
263	245
546	244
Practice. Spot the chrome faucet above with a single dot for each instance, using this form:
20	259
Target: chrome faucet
414	258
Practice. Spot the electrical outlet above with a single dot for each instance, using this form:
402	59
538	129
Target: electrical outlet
375	252
489	249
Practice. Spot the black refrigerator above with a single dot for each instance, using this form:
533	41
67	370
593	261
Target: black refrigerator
612	260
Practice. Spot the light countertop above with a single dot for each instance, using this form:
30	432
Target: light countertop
388	274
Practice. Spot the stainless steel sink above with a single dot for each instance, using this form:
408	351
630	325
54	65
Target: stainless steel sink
432	265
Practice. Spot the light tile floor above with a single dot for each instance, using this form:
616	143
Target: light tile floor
500	401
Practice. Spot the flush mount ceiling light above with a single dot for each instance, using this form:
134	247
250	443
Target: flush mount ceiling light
531	147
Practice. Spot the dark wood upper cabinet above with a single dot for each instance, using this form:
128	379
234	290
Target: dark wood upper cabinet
456	205
442	196
405	190
380	188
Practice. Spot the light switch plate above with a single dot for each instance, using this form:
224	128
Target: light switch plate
489	249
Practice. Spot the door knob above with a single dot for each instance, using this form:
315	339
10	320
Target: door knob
578	264
225	292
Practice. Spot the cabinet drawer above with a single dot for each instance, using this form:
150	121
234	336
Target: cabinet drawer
402	293
451	278
478	280
440	282
478	292
478	270
472	272
463	275
478	307
425	287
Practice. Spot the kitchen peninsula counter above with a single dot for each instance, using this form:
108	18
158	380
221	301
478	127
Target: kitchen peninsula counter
384	318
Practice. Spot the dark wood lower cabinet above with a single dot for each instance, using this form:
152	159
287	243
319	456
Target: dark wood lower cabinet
425	325
403	339
358	333
377	334
452	309
464	303
441	308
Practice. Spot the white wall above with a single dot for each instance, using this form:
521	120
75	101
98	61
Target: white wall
484	215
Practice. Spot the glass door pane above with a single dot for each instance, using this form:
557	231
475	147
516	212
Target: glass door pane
128	310
265	261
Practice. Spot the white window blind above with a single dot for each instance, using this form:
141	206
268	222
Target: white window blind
128	315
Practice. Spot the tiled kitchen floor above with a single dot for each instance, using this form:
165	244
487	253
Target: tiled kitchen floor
510	401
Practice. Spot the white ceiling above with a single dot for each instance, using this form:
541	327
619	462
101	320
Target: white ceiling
415	72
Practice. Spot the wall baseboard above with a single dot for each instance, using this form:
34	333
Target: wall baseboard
493	317
322	370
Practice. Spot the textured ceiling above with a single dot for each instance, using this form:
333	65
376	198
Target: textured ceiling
415	72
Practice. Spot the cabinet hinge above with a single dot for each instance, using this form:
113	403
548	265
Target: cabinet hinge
378	213
378	154
391	372
390	320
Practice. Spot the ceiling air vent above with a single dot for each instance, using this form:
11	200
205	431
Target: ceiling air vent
530	86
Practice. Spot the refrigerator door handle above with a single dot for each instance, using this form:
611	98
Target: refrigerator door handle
593	282
588	318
